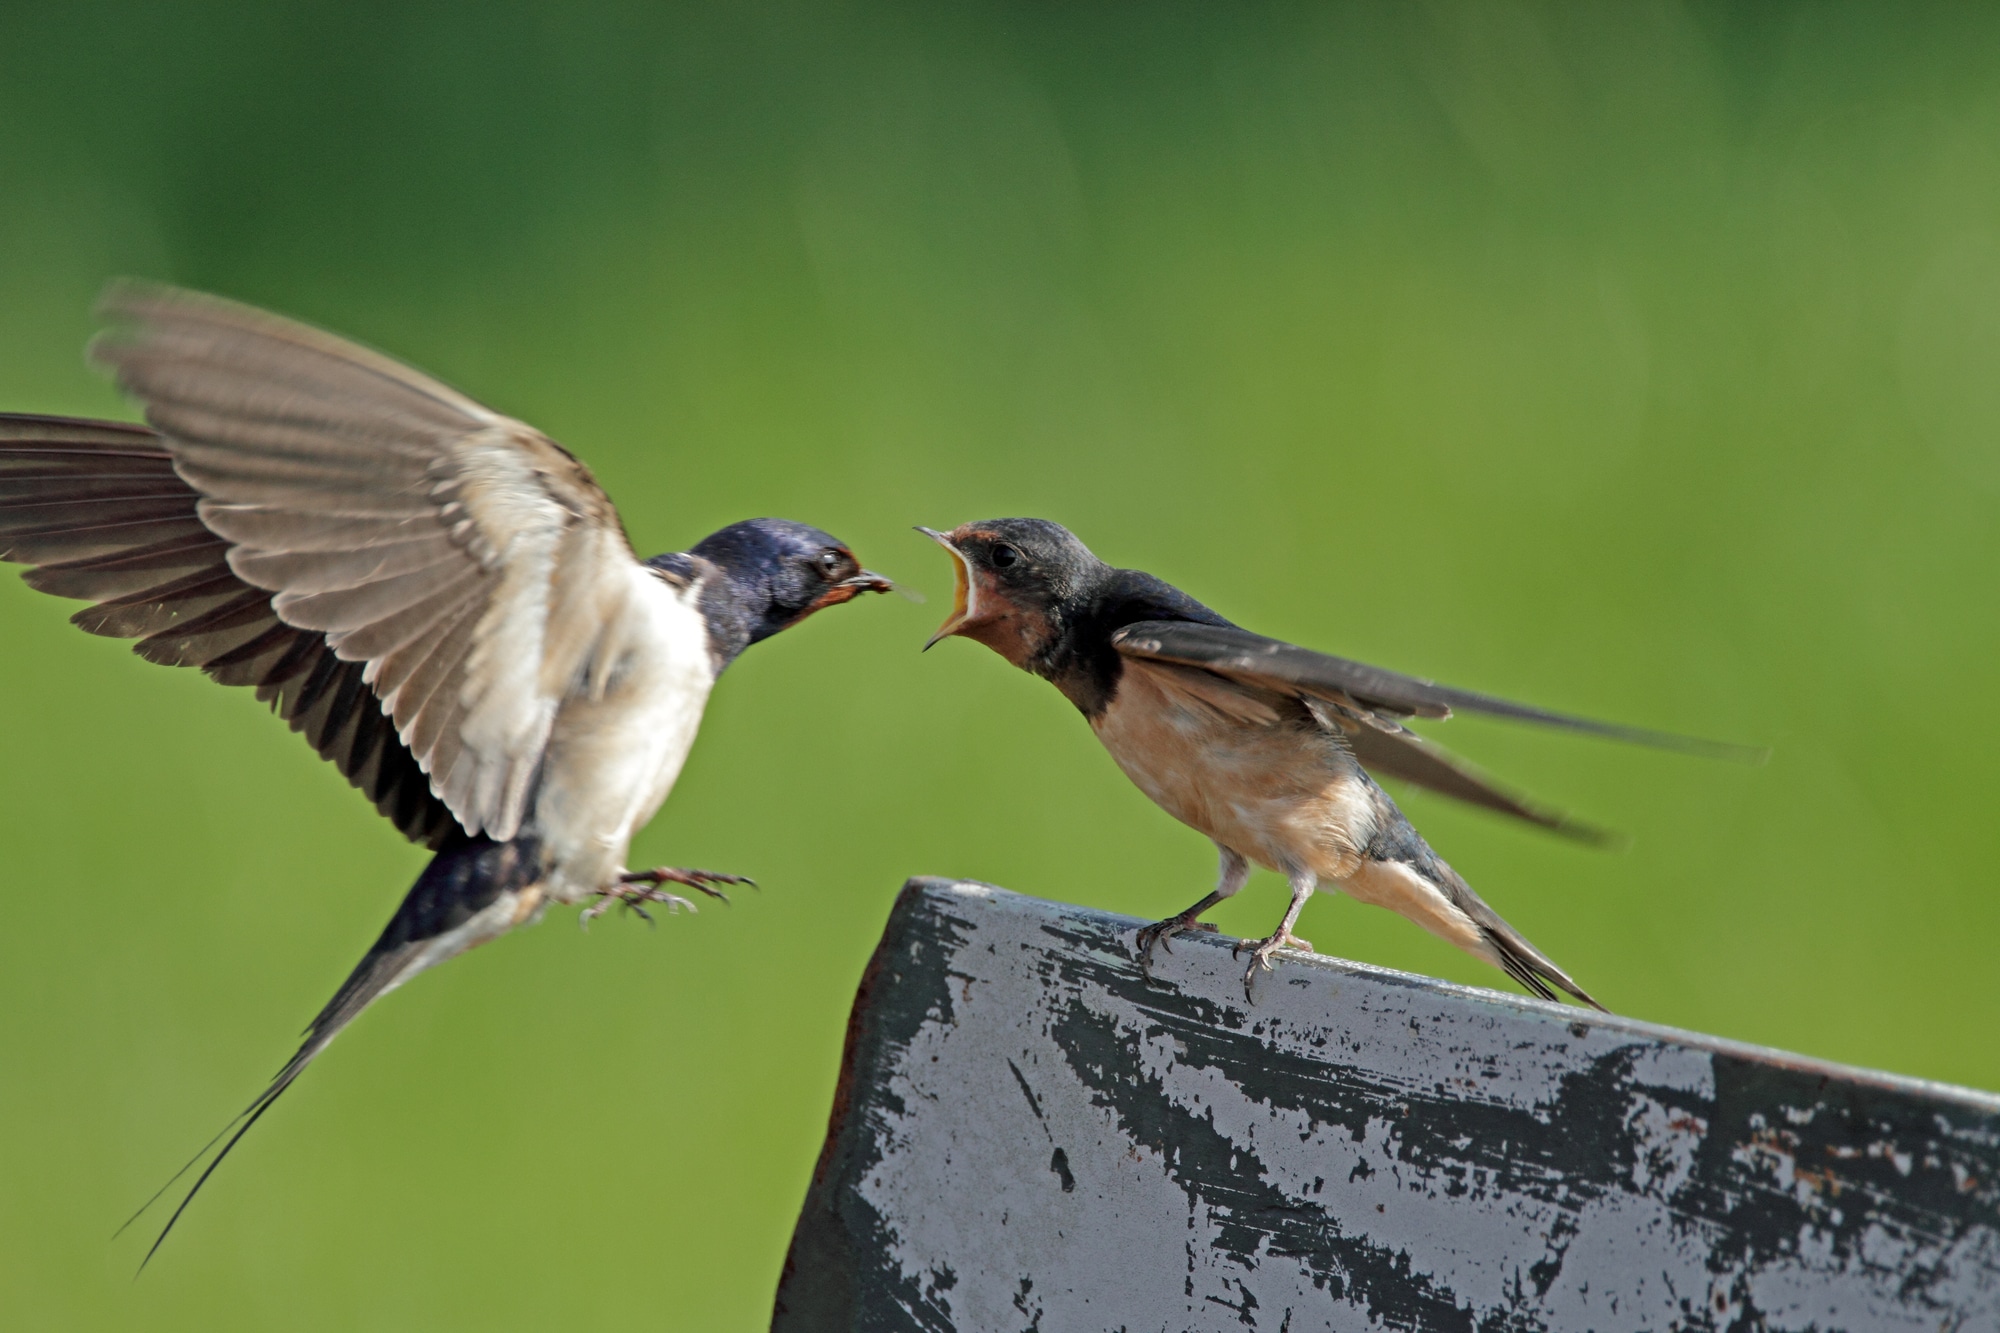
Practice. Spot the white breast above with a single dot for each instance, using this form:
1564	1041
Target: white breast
613	756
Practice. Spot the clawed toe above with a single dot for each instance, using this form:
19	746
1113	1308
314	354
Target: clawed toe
701	881
1161	934
1260	956
636	888
634	900
1158	935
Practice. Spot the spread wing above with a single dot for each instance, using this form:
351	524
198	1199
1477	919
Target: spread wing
1367	704
97	508
460	568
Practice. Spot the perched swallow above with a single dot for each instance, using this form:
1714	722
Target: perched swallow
1262	746
439	598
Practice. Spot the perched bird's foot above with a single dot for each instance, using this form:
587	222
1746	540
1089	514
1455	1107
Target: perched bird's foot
1260	956
1160	933
636	888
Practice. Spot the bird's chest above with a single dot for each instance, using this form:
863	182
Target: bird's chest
1280	792
615	753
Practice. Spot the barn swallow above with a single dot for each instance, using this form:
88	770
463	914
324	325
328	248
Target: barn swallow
1263	746
439	598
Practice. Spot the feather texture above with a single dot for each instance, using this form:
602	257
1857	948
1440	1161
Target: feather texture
467	568
1274	664
179	597
1366	705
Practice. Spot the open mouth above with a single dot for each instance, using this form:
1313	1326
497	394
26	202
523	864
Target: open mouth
963	596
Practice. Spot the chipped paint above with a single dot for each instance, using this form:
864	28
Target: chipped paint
1029	1135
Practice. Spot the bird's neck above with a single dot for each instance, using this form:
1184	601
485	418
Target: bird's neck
737	607
1078	658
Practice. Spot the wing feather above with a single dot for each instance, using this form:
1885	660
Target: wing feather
206	347
266	531
335	571
407	676
1367	704
103	578
91	539
1403	754
444	603
167	582
257	659
385	511
44	517
280	443
1241	655
343	612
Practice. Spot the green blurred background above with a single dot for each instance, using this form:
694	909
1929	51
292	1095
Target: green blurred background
1636	360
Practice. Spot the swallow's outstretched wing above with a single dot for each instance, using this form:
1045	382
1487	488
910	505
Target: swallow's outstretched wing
1367	704
413	582
411	579
97	507
1401	753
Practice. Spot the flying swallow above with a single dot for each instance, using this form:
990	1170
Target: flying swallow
1263	746
439	598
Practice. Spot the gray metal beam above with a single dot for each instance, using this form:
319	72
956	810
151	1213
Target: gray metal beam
1030	1135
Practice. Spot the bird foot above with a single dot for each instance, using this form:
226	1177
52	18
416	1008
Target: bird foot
701	881
635	888
1161	934
1260	956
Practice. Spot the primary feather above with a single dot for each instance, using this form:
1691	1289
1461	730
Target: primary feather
100	512
468	563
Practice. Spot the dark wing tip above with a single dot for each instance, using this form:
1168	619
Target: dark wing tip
1590	835
1751	756
1698	746
1232	651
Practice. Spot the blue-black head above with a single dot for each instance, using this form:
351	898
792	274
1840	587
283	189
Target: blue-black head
773	573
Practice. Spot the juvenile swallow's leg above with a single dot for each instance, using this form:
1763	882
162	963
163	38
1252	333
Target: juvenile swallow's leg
1234	871
635	888
1160	932
1303	884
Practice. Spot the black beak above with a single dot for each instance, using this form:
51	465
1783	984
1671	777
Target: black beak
868	581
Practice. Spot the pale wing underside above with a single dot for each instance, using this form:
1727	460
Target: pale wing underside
469	563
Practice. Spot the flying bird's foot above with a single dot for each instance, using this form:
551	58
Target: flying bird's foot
701	881
636	888
635	898
1161	933
1260	956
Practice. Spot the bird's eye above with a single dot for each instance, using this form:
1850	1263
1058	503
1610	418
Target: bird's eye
1003	555
829	562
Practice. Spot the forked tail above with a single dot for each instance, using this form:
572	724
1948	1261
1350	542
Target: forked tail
1509	948
474	890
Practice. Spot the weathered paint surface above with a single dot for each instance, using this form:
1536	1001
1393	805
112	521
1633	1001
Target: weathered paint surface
1030	1136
